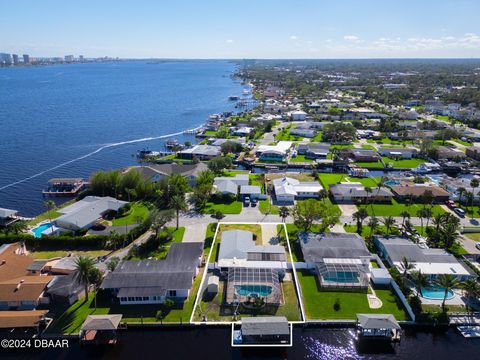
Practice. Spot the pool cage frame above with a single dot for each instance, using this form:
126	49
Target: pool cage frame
244	276
325	269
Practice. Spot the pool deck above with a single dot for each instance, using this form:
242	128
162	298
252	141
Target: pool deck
456	300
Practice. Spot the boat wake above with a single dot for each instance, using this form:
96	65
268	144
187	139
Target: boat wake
107	146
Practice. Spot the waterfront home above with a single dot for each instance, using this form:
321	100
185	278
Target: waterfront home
444	152
20	289
431	262
19	321
154	281
339	260
397	153
242	131
288	189
251	270
220	142
354	192
418	191
85	213
306	133
473	152
368	134
238	249
314	151
298	115
276	152
362	155
65	289
452	185
200	152
7	217
159	172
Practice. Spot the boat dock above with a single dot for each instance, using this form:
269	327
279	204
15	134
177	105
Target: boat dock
65	186
469	331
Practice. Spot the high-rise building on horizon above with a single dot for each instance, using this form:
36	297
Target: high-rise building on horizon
15	59
5	59
69	58
26	59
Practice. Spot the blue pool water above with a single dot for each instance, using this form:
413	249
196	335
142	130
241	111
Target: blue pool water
391	182
252	290
436	293
345	277
37	232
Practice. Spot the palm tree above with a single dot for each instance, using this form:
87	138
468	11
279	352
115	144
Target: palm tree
460	192
469	200
373	224
323	194
471	288
406	265
449	234
428	213
421	280
360	216
178	203
447	282
438	221
50	205
405	215
84	266
389	223
284	212
474	183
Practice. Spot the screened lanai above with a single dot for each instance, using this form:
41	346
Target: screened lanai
246	283
342	273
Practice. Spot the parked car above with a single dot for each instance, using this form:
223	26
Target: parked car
254	202
477	245
450	203
246	201
460	212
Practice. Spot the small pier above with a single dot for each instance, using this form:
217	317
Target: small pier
65	186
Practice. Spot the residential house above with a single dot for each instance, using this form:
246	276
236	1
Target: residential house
230	185
243	131
397	153
155	173
298	115
362	155
65	289
452	185
431	262
288	189
276	152
418	191
444	152
338	259
250	269
19	288
306	133
354	192
314	150
200	152
154	281
85	213
251	191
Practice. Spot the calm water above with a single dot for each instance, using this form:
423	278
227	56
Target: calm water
309	343
61	121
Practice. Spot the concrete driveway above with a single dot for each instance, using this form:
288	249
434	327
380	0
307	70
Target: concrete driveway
348	209
269	234
195	233
469	245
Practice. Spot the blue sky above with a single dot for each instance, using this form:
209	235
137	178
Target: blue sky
242	28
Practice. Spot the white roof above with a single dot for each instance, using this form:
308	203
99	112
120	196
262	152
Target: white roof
289	186
438	268
251	264
4	213
281	147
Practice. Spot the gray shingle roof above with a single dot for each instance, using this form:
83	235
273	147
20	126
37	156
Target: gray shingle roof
317	246
265	325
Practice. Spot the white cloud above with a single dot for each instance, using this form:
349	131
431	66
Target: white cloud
293	37
351	38
229	41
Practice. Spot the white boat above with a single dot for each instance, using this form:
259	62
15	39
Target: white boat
469	331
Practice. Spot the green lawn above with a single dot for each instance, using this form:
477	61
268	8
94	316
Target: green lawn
366	230
342	146
473	236
319	305
331	179
137	214
368	164
386	140
284	135
395	209
218	204
403	163
462	142
72	319
318	137
62	253
369	147
301	159
266	207
162	251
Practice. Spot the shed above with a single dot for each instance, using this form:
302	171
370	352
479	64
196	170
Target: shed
212	284
380	276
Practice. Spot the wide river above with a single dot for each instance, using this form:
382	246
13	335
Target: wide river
72	120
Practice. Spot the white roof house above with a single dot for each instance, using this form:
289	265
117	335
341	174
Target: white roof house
281	147
298	115
288	189
84	213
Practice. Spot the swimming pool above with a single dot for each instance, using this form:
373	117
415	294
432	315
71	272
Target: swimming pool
253	290
341	277
392	182
37	232
436	293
